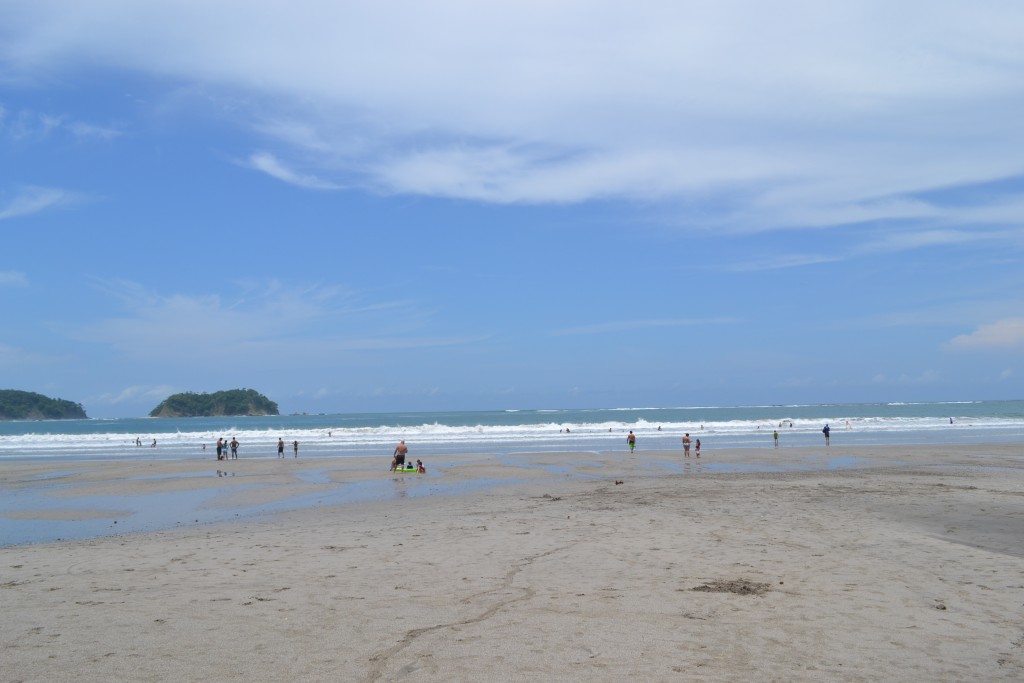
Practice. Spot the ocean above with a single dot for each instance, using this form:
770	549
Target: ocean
518	431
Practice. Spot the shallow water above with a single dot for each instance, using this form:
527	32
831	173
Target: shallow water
103	515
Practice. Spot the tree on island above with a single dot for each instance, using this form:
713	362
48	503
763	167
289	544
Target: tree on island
26	405
218	404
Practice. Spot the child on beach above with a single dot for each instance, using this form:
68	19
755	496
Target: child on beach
698	448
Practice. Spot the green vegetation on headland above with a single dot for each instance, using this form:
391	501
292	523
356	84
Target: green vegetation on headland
26	405
217	404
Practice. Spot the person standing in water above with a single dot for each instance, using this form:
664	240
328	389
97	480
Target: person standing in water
398	459
280	448
686	445
825	431
295	445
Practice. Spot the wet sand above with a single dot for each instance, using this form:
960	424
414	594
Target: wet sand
791	565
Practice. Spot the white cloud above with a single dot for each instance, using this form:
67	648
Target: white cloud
87	131
30	125
15	357
269	164
135	393
30	200
819	114
909	240
781	262
12	278
1007	334
263	324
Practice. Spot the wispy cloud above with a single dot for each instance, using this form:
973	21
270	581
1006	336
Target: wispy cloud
11	278
1002	334
780	262
136	393
911	240
88	131
309	324
33	126
15	357
627	325
272	166
29	200
836	115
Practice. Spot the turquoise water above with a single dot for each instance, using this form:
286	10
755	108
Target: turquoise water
514	431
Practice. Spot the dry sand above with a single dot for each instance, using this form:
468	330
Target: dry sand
894	564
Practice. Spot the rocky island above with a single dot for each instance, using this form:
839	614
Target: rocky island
218	404
27	405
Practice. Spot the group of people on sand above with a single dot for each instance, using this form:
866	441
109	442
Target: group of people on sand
280	448
398	460
228	450
223	445
631	442
686	446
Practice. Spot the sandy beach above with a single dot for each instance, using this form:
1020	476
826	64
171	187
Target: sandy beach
794	564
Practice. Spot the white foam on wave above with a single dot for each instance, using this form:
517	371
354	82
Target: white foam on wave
437	435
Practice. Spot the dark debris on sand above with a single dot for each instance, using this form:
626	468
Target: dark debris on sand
739	587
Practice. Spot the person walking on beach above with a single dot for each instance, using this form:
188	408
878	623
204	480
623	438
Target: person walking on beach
825	431
631	440
686	445
280	448
776	437
295	446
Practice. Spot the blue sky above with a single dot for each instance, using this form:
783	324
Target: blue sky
355	206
